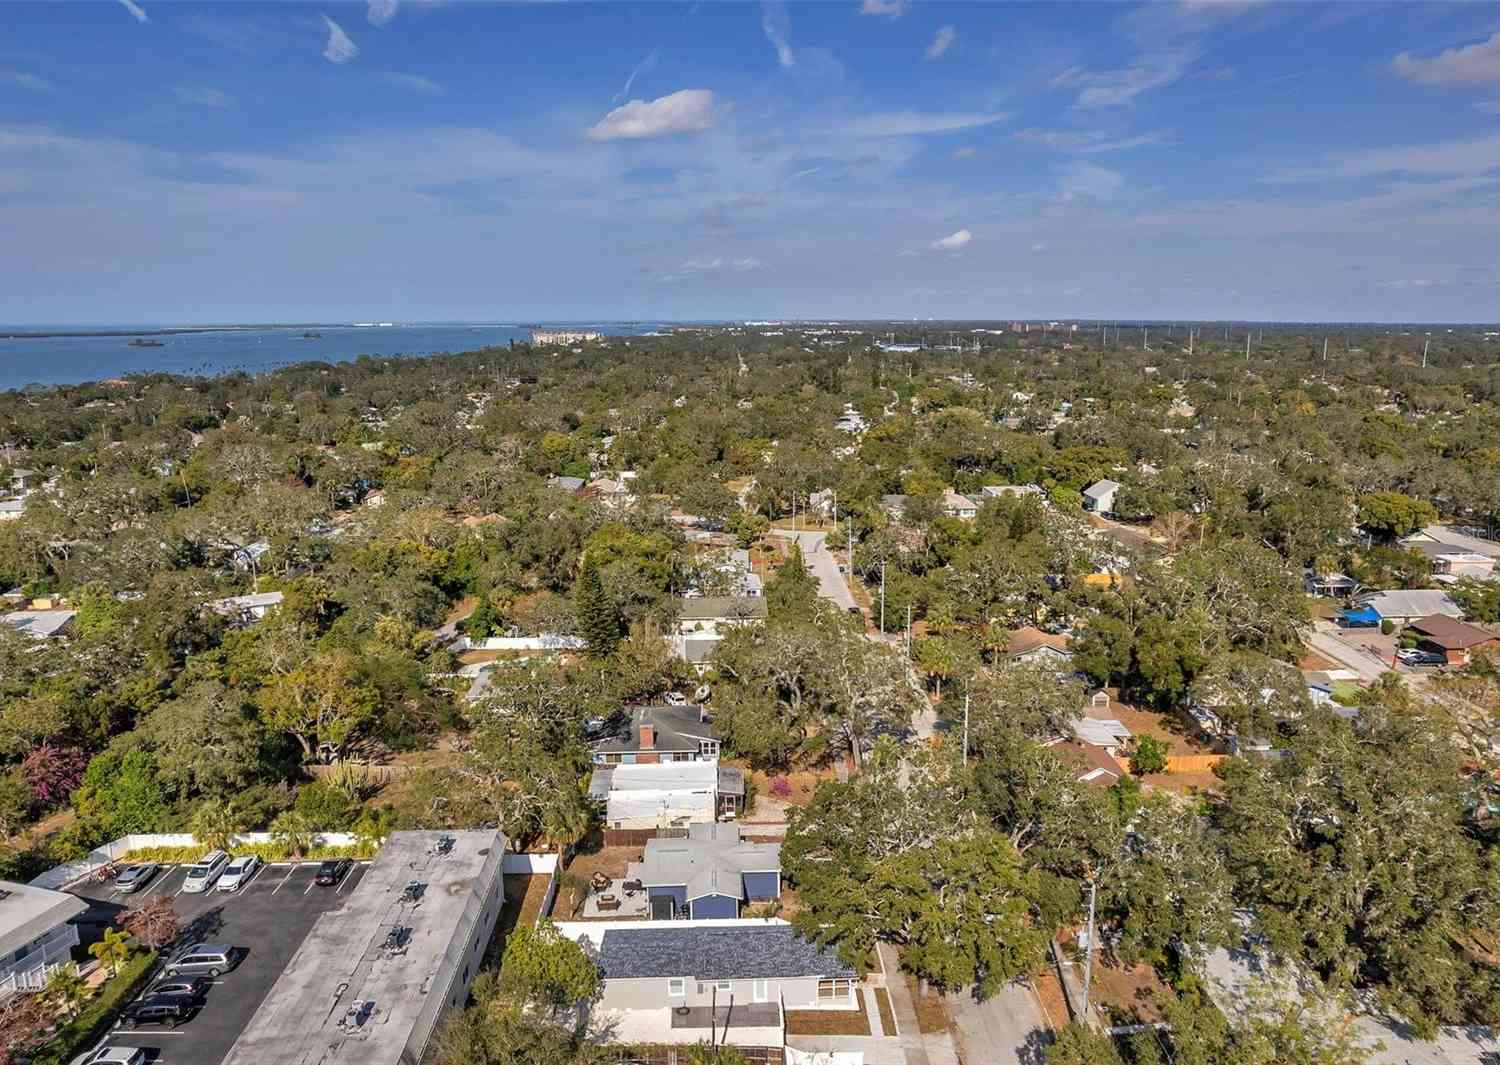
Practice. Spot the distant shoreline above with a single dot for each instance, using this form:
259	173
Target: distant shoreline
167	332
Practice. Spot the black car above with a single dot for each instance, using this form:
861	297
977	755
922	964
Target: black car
333	870
189	987
168	1010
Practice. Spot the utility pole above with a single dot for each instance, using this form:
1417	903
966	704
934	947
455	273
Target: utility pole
1088	959
1190	341
1424	353
882	597
1143	339
966	728
1247	345
1325	349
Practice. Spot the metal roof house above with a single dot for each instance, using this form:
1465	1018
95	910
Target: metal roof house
374	977
1099	497
1407	605
37	934
709	874
40	624
667	795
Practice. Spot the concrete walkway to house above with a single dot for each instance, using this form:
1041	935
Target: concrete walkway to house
1324	640
928	1049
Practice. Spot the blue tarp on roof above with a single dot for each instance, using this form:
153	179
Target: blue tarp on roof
1364	617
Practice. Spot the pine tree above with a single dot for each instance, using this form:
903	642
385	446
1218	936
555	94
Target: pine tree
598	620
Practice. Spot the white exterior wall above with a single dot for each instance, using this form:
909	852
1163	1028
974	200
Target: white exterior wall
42	957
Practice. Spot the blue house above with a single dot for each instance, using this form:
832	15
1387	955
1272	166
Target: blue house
710	874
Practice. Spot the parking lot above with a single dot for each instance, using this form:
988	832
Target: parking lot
267	919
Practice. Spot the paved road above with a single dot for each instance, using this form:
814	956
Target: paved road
824	566
1008	1029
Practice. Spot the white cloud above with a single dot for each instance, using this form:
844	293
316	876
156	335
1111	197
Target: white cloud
640	68
912	123
778	26
1116	88
1085	180
381	12
23	80
942	42
953	241
1086	142
685	111
963	153
1462	157
1039	247
1487	107
892	8
339	49
1473	64
202	96
414	82
136	11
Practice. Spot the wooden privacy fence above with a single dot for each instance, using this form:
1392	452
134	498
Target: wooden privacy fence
1184	763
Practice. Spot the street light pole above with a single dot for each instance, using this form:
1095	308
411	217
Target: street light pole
1088	958
966	728
882	597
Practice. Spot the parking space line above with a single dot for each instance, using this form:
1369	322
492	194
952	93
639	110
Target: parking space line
345	882
284	879
310	884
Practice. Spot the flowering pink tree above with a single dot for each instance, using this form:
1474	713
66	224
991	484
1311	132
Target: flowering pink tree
53	772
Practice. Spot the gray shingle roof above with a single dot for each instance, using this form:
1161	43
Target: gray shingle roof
712	860
1100	489
677	728
756	952
714	608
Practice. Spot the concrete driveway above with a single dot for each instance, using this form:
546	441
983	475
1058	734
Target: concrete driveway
1007	1029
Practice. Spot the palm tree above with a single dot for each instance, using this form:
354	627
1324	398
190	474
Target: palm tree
216	823
112	951
290	829
372	828
65	989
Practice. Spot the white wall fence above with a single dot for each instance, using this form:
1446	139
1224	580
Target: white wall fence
545	642
61	876
548	865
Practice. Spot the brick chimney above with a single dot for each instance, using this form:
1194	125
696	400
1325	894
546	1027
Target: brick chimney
648	740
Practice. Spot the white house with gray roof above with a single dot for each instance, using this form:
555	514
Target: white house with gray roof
40	624
726	981
710	874
1099	497
37	934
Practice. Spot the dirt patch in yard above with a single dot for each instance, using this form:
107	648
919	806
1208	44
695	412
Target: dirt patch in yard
887	1012
830	1022
932	1012
524	896
1054	1002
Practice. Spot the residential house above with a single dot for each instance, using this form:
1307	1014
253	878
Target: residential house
1329	585
612	493
11	509
659	734
37	934
1455	640
995	491
710	874
566	484
647	797
23	480
703	621
1454	565
957	506
1033	647
40	624
1099	497
247	609
727	981
1402	606
894	506
1091	764
1106	733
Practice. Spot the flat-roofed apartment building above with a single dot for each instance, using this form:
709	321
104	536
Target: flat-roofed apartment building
373	978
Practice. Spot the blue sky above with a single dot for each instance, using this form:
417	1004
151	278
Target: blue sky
402	160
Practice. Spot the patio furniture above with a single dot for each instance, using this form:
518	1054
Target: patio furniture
608	902
632	886
599	882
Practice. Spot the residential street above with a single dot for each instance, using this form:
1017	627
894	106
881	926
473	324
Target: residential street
1008	1029
1323	639
820	560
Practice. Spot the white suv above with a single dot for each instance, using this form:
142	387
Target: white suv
201	877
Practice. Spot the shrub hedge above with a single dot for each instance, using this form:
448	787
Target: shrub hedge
81	1032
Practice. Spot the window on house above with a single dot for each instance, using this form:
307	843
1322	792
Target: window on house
677	986
723	987
708	748
835	990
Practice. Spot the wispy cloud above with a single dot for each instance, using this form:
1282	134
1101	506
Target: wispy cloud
1438	159
686	111
912	123
889	8
953	241
640	68
942	42
136	11
963	153
1487	107
1085	180
1117	88
777	25
1472	64
1086	142
380	12
414	82
706	267
339	49
201	95
23	80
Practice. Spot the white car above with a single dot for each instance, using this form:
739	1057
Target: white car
674	699
238	873
201	877
112	1056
